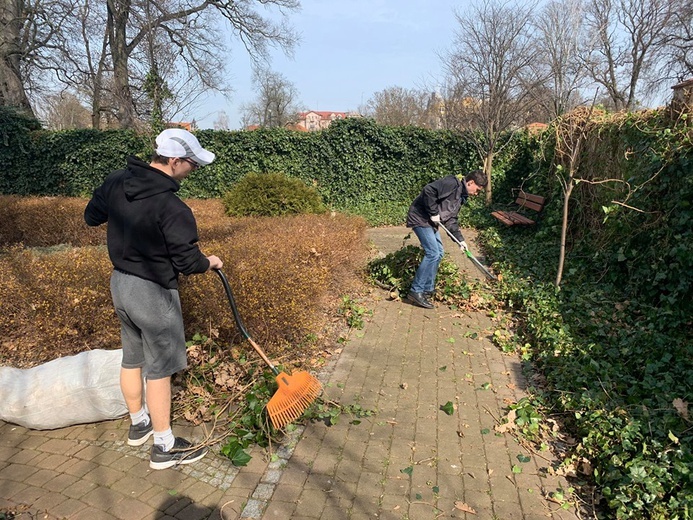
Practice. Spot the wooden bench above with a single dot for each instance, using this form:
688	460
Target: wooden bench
524	201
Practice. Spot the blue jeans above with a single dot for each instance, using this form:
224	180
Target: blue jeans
425	278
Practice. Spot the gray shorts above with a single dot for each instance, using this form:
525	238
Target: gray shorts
151	325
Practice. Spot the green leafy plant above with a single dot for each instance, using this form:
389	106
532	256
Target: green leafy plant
396	271
329	412
271	195
352	312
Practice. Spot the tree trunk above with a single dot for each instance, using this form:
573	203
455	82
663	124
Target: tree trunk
118	14
488	167
12	91
564	231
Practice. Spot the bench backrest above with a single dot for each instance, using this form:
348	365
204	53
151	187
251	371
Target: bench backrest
529	201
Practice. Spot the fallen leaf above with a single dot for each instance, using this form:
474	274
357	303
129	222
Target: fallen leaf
681	407
509	425
464	507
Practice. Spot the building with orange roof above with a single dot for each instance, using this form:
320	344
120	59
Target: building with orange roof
314	120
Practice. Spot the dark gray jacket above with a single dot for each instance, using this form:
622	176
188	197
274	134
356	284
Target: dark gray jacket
443	197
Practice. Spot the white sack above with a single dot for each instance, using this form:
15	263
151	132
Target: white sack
78	389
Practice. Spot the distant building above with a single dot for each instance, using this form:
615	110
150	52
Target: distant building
314	120
185	125
536	128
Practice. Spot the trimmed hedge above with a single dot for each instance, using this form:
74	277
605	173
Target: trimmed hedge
355	163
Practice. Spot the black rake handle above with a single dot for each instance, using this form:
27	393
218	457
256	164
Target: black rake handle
239	321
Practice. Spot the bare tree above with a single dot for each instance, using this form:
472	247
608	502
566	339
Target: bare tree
489	73
222	121
558	32
677	63
276	102
144	48
398	106
64	111
626	38
27	33
178	20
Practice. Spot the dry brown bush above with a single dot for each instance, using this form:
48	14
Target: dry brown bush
46	221
55	303
286	273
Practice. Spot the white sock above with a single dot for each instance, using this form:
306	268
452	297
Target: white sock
139	417
165	439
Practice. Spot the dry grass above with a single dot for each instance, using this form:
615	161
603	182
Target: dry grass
287	275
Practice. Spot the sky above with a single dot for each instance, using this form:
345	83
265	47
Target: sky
349	50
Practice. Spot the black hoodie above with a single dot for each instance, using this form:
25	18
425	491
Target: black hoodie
151	232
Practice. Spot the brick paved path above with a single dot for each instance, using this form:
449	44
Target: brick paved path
411	460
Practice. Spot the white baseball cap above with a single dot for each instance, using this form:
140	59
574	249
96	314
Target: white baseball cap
176	142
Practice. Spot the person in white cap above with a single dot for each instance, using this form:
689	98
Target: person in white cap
152	238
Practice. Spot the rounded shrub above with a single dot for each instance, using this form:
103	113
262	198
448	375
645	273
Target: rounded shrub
271	195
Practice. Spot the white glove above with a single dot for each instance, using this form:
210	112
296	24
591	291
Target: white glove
463	246
435	219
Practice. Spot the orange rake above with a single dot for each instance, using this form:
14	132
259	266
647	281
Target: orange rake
295	393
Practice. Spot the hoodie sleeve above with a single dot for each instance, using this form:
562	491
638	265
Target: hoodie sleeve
96	212
180	232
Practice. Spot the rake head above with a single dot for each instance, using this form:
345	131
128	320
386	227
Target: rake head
295	393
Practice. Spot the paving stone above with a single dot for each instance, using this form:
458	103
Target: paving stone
68	509
392	366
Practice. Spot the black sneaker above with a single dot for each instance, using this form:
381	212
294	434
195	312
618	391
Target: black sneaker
181	453
429	295
419	299
139	433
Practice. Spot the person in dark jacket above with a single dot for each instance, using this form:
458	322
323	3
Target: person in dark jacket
152	238
439	202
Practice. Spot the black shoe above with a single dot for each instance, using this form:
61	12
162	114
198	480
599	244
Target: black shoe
181	453
419	299
139	433
429	295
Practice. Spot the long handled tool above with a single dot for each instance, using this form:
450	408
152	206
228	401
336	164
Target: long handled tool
295	393
471	256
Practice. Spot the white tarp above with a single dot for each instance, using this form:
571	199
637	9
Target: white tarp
78	389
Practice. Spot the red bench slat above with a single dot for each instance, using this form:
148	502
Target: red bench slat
524	200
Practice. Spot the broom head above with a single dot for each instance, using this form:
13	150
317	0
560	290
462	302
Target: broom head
294	395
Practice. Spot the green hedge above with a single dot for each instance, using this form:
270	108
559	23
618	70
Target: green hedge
355	164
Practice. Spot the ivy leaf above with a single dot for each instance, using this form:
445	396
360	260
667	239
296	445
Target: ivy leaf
408	470
241	458
448	408
517	469
443	368
523	458
234	451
